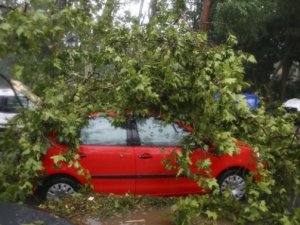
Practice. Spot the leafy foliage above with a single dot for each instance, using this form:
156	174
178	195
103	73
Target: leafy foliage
79	64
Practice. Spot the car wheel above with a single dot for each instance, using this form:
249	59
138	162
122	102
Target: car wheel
234	180
58	187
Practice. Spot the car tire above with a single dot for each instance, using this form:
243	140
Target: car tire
235	181
58	187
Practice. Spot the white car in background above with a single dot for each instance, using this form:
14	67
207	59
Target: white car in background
9	105
292	105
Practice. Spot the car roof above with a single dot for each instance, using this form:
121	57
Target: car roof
292	103
8	92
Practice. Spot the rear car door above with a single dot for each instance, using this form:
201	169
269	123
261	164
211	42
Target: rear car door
158	142
108	157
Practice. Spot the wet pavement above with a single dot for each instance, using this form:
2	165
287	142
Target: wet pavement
14	214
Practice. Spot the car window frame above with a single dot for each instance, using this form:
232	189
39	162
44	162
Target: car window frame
134	139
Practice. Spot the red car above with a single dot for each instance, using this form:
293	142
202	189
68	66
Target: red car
130	160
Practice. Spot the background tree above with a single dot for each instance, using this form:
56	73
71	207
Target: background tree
272	25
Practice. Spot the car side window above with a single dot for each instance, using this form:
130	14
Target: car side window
100	131
154	132
11	104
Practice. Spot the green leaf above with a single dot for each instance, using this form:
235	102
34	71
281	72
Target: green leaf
286	221
251	59
58	158
211	214
20	30
5	26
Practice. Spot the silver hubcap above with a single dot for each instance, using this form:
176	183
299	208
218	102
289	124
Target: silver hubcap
236	184
59	190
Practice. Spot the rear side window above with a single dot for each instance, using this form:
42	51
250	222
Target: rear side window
153	132
100	131
10	103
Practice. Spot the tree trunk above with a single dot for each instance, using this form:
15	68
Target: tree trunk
204	15
152	9
19	87
141	10
286	65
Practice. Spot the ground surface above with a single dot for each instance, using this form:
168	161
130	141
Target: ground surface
14	214
95	209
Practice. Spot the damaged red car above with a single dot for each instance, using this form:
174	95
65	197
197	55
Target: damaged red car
130	159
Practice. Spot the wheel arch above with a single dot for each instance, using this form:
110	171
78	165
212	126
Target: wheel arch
41	191
236	168
56	175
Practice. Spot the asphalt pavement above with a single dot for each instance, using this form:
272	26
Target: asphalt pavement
14	214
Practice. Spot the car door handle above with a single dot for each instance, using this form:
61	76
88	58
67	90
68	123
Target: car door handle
82	155
145	156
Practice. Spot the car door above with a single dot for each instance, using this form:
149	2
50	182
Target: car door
158	142
108	157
